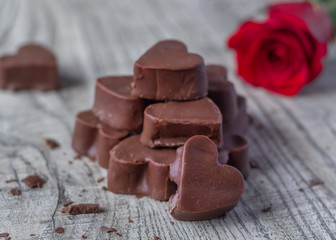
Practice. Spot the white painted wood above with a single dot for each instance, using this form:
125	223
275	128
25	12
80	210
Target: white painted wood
293	139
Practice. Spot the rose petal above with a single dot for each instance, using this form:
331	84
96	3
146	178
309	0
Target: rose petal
315	18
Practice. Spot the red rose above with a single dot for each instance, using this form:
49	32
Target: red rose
283	53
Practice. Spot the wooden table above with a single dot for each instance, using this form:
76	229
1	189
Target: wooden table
294	140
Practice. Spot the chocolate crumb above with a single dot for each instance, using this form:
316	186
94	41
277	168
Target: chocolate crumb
107	229
4	234
79	195
104	188
15	192
89	174
32	235
301	190
315	182
11	180
118	234
83	208
84	237
254	164
78	157
70	162
33	181
92	159
7	238
67	203
171	222
100	179
156	237
130	221
50	143
268	209
59	230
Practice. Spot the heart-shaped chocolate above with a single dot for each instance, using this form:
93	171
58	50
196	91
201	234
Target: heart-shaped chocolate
140	170
114	104
33	67
205	188
232	106
170	124
95	139
168	72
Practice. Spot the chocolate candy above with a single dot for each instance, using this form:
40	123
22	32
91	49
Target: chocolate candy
205	188
33	67
171	124
114	104
140	170
233	107
168	72
94	138
237	147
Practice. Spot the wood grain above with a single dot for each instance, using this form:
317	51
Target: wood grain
293	139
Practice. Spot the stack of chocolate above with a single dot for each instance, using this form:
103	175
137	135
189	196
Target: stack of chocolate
160	136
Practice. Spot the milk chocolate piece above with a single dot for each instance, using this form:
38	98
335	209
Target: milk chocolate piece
237	147
15	192
171	124
114	104
32	67
140	170
83	208
33	181
168	72
232	107
94	138
205	188
59	230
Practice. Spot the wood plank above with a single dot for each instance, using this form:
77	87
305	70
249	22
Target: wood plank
293	139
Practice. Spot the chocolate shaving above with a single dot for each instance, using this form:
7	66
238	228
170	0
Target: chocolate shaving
33	181
32	235
78	157
118	234
11	180
59	230
130	221
70	162
156	237
67	203
15	192
84	208
4	234
171	222
268	209
254	164
50	143
107	229
315	182
84	237
104	188
100	179
301	190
